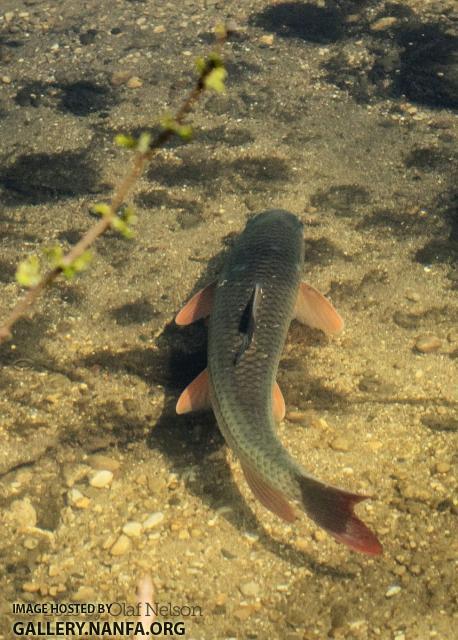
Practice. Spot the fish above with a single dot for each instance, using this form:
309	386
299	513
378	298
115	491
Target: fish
250	307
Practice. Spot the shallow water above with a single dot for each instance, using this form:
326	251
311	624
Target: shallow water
341	112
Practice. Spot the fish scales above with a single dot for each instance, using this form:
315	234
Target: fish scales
269	253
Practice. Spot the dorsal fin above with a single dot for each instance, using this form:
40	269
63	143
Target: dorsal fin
247	324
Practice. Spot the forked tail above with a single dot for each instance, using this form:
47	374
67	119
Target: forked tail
332	509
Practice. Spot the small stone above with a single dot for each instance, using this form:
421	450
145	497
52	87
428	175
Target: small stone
220	599
6	79
452	336
101	462
141	21
296	416
159	29
77	499
31	587
442	467
101	479
9	15
85	593
22	513
135	82
132	529
121	546
243	612
30	543
73	473
302	544
427	343
249	589
183	534
413	296
120	77
267	40
54	570
340	444
319	535
153	520
393	590
383	23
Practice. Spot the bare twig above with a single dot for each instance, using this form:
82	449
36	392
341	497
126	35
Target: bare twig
141	159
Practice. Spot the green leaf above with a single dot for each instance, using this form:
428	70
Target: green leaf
28	273
215	80
54	255
183	130
124	222
79	264
143	142
123	140
102	208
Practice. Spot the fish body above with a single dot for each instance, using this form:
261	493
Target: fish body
250	306
269	255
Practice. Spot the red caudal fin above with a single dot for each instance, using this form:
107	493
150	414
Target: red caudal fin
332	509
279	407
314	310
267	495
196	396
198	307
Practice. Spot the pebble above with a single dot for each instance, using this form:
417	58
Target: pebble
101	479
153	520
243	612
85	593
121	546
22	513
296	416
159	29
6	79
267	40
119	77
340	444
132	529
101	462
442	467
249	589
413	296
319	535
135	82
302	544
393	590
383	23
31	587
427	343
220	599
77	499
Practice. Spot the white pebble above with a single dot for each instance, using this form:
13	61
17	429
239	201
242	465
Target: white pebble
121	546
101	479
153	520
393	591
250	589
132	529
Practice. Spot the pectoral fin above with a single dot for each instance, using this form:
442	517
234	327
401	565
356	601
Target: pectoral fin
267	495
313	309
198	307
196	396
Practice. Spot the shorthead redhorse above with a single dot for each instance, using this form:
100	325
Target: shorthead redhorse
251	306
